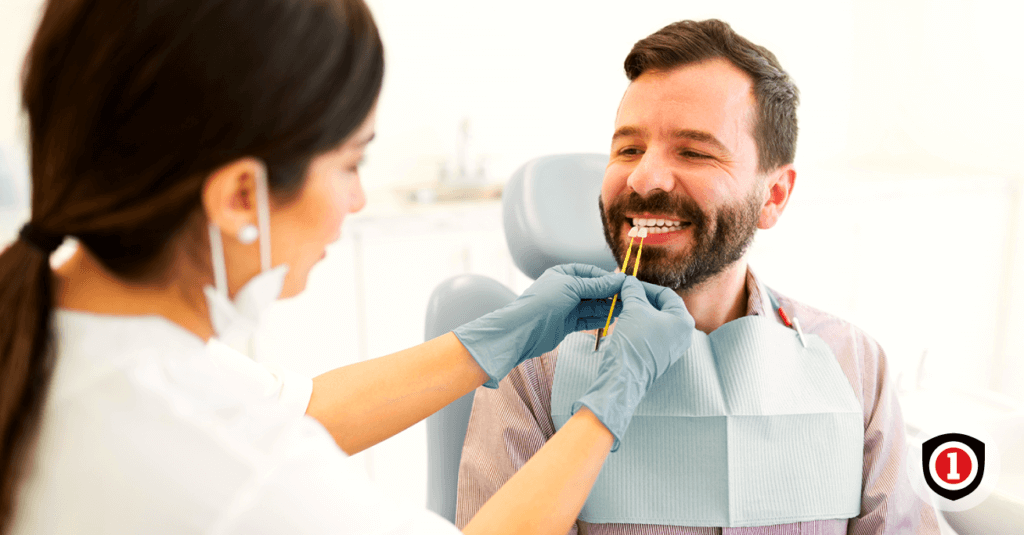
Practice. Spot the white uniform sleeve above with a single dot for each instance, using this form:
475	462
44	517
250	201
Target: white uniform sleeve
293	390
290	390
316	489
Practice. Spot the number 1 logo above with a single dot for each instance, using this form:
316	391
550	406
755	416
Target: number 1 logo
954	464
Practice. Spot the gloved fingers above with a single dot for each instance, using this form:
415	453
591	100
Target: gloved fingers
669	302
633	292
579	270
663	298
589	324
601	287
593	314
596	308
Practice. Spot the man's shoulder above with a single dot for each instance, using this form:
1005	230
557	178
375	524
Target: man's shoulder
841	335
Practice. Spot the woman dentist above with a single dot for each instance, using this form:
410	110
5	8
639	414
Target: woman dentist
163	129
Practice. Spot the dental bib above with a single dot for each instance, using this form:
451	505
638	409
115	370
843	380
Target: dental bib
748	428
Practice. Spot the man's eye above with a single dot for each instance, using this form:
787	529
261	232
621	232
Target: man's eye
629	151
691	154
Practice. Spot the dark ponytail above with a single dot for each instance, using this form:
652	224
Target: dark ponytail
26	359
131	105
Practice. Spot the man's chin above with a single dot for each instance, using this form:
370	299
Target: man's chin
663	271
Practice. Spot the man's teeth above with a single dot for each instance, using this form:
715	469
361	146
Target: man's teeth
657	226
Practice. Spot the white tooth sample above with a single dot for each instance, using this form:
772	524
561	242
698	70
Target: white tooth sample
643	232
633	231
661	222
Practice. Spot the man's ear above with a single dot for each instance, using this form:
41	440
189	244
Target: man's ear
229	195
779	186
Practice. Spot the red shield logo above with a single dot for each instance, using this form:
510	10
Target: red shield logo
954	464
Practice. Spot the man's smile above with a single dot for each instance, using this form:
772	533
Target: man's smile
661	229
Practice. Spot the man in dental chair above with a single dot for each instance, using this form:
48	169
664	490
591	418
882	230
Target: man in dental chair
781	419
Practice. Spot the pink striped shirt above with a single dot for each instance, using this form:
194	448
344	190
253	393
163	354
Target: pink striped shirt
509	424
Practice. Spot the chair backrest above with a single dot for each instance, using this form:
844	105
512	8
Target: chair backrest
455	301
551	217
549	208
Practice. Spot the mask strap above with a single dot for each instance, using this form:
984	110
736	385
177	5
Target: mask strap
220	273
263	215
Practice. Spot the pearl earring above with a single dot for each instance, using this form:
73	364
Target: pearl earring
248	234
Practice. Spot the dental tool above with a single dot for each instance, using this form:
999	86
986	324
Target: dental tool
799	331
793	324
633	233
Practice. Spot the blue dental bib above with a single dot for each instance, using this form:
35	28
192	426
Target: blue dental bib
748	428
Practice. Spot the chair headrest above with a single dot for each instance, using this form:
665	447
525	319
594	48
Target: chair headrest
551	216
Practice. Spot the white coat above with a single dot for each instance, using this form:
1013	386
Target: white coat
146	430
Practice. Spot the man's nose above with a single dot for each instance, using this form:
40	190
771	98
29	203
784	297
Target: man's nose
652	172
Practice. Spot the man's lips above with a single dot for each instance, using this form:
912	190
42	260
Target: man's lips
648	215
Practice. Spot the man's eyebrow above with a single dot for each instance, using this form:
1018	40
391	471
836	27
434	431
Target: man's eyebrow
703	137
696	135
627	131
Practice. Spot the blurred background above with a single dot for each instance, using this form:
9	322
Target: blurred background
907	218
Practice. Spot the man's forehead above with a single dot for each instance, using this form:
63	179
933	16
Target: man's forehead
711	89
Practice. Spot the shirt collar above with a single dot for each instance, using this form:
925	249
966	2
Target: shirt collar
758	302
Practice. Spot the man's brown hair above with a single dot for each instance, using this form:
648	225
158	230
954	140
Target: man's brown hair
687	42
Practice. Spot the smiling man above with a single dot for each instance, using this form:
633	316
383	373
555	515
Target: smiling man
781	419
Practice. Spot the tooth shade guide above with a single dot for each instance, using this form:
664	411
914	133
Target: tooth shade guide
639	249
633	231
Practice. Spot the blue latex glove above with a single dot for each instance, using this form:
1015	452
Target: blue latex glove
652	333
565	299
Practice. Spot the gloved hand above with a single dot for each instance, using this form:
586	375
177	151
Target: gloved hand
645	342
565	299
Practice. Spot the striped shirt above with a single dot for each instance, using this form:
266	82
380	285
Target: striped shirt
511	423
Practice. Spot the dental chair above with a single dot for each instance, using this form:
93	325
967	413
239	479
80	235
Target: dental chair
550	214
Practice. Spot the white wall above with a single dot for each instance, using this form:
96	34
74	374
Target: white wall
18	20
924	83
540	77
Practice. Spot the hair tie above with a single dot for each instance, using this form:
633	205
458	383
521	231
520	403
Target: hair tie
41	241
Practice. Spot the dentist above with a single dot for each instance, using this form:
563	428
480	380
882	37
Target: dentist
203	153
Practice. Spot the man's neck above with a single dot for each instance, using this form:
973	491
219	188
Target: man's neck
720	299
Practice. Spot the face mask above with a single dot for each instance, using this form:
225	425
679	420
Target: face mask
236	321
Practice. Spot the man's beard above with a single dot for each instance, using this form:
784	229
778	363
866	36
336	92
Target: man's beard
714	247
